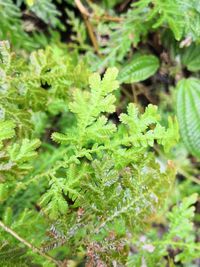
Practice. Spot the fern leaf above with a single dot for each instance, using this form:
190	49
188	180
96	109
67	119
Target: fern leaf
6	130
25	151
61	138
89	106
53	200
46	11
140	131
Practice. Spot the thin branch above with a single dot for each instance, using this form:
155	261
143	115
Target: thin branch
107	17
26	243
188	176
86	16
91	34
82	9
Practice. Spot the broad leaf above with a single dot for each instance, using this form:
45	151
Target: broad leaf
191	58
188	109
139	69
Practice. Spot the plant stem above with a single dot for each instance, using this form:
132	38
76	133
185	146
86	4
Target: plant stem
86	16
26	243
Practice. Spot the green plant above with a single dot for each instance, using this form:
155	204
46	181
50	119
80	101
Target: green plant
98	184
180	238
85	175
24	33
147	17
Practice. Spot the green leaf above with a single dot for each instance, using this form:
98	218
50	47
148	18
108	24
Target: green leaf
191	58
139	69
188	111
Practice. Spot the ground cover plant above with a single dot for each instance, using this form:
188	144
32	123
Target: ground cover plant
99	133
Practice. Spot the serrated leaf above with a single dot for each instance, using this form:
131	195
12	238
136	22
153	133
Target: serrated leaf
188	111
139	69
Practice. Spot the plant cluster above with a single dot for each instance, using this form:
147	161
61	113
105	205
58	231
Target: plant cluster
93	95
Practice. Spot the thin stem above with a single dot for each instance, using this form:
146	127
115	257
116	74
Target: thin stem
86	15
188	176
106	17
29	245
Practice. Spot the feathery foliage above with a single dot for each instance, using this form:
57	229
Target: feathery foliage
100	181
85	175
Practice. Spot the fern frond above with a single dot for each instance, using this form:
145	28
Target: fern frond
25	151
146	129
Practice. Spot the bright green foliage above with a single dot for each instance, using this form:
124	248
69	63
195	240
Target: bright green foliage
102	172
179	237
25	151
24	104
141	130
102	179
6	130
26	88
140	68
84	170
188	111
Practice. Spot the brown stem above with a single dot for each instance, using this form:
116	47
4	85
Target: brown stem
91	34
107	18
86	15
82	9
